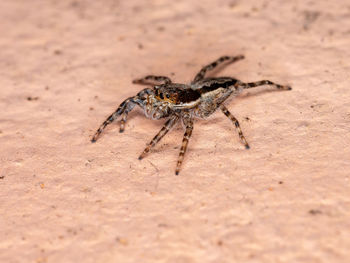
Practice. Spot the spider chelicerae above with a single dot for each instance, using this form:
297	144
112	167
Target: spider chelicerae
184	102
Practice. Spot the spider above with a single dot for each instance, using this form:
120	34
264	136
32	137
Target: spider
184	102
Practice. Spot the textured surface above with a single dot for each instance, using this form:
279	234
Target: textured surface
65	65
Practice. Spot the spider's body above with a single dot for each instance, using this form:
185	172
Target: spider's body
175	102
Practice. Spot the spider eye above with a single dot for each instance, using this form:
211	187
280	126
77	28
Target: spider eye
167	96
161	95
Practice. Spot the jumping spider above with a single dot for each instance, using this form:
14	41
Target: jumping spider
184	102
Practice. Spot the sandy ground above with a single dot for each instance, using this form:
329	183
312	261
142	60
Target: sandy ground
66	65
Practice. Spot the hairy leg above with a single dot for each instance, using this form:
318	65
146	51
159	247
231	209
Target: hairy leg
188	122
152	80
211	66
167	126
124	108
236	123
123	121
120	110
265	82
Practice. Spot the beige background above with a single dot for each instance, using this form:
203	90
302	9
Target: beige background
66	65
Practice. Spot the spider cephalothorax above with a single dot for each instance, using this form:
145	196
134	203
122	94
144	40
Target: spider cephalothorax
184	102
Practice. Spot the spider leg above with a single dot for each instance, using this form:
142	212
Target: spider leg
124	108
265	82
152	80
214	64
236	123
123	121
120	110
167	126
189	127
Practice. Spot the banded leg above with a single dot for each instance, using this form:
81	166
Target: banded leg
214	64
128	103
236	123
189	127
152	80
265	82
124	108
167	126
123	121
